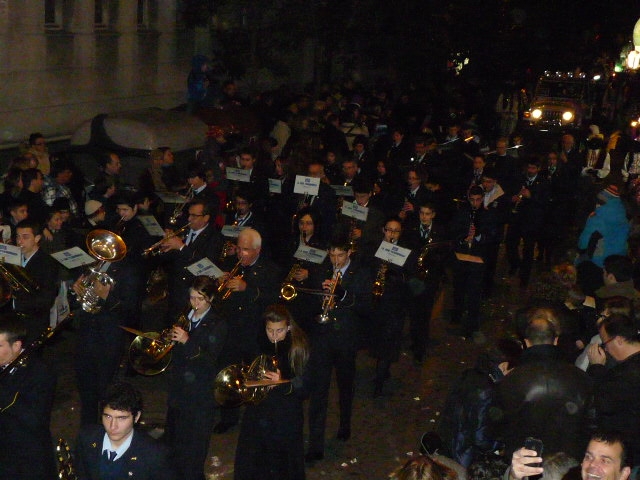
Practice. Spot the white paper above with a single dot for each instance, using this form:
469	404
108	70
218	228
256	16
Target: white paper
353	210
169	197
231	231
343	190
306	185
74	257
10	254
205	267
275	185
391	253
238	174
310	254
151	225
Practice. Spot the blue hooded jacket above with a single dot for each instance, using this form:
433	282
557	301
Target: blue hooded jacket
610	222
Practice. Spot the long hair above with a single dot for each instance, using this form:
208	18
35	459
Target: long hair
423	467
299	351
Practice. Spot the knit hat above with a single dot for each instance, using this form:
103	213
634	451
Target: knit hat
608	193
91	207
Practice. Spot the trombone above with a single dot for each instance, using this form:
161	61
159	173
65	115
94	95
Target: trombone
155	248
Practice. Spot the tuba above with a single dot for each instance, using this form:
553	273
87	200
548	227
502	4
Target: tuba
107	247
151	354
233	384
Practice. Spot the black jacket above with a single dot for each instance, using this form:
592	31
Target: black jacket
546	398
144	459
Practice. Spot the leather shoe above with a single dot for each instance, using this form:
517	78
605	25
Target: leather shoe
222	427
344	433
312	457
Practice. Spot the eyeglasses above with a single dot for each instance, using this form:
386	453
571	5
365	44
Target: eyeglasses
603	345
197	215
389	230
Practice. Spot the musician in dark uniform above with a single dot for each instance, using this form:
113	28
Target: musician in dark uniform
100	339
197	179
471	230
390	299
528	210
306	233
271	442
191	404
116	449
202	240
26	398
253	281
426	269
33	307
335	343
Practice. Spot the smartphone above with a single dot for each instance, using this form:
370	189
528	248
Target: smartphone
532	443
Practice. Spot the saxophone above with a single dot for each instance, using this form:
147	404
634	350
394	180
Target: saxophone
380	281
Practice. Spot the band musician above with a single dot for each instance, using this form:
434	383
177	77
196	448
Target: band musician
116	449
202	240
26	397
252	281
430	252
335	342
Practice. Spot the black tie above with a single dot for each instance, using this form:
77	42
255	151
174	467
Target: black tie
192	236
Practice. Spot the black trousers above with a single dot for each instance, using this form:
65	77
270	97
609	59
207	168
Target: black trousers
467	293
524	263
188	432
98	354
420	310
330	351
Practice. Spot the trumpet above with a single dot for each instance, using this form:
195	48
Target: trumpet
227	246
155	248
150	353
223	292
177	211
329	300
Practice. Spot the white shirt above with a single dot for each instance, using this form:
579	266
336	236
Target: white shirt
120	451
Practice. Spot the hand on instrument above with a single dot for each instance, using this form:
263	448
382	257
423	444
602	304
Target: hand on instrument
327	285
77	287
237	284
274	376
519	464
526	193
356	233
173	243
179	335
301	274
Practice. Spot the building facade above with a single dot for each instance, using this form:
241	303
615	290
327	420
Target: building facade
64	61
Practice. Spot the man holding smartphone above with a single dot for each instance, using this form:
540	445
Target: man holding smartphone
604	459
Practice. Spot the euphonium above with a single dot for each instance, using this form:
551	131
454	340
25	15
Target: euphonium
177	211
107	247
329	300
231	389
155	248
223	292
380	281
151	354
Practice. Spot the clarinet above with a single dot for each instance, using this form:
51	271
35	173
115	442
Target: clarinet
472	217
